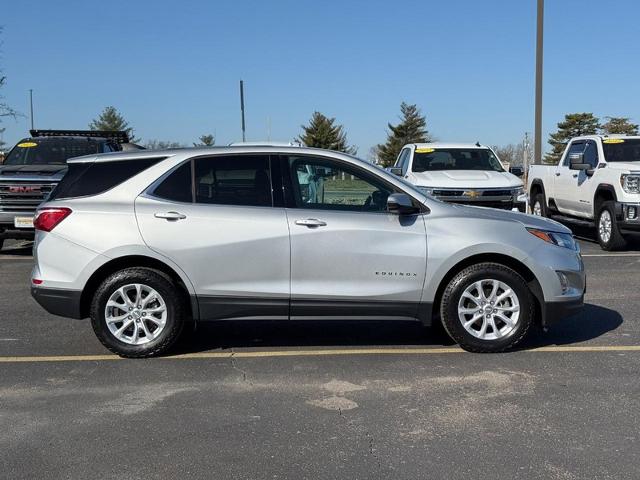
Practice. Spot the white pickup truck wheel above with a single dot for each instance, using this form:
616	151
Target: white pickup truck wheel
537	205
609	236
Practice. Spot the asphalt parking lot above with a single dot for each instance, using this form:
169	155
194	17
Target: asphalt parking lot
295	400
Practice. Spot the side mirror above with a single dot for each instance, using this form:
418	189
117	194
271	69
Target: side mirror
517	171
401	204
576	162
396	171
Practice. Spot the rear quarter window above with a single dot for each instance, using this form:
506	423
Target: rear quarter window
86	179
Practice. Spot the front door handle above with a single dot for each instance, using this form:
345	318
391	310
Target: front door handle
170	216
311	222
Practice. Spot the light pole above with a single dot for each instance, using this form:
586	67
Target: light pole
537	135
242	108
31	105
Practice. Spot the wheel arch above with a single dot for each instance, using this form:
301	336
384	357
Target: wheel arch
129	261
604	192
502	259
537	186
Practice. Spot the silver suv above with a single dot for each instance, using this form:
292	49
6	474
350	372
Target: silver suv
144	242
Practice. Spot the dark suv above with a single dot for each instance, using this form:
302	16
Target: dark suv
35	165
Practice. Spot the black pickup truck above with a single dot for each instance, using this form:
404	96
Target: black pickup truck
34	167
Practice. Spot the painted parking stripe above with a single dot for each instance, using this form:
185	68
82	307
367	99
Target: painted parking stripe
611	254
313	353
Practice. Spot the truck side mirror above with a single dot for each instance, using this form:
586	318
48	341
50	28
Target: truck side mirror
401	204
517	171
396	171
576	162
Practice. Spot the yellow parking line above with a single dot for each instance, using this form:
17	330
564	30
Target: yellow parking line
314	353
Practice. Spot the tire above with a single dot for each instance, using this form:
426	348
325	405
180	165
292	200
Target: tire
538	199
609	236
1	243
518	308
162	315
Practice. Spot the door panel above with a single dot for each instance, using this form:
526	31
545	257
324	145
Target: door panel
349	256
236	255
566	181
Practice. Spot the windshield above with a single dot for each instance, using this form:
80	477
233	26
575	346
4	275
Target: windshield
50	151
430	159
621	150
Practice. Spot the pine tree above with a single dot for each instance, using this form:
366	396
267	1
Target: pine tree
411	129
111	120
619	126
205	141
323	132
574	125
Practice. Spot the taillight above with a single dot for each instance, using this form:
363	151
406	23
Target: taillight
48	218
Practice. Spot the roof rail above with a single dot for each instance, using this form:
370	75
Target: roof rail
116	136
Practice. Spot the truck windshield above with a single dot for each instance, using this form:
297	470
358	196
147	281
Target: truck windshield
50	151
621	150
429	159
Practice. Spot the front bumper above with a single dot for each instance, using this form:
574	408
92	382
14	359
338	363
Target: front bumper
628	216
65	303
553	312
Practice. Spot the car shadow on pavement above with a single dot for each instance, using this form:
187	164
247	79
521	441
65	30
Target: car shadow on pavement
592	322
22	249
308	333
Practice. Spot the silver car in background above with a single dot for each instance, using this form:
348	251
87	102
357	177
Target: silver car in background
143	242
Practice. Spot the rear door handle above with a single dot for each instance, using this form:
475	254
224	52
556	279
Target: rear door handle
557	174
311	222
170	215
575	175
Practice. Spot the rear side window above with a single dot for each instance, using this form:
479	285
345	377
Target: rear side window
233	180
84	179
177	186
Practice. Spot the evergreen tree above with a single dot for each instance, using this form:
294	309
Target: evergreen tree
111	120
574	125
323	132
411	129
205	141
620	126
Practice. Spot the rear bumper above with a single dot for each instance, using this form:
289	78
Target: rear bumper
553	312
65	303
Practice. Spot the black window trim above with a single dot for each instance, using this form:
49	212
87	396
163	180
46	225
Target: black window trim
287	185
150	191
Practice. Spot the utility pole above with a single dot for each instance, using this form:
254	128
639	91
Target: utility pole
525	153
242	109
31	105
537	135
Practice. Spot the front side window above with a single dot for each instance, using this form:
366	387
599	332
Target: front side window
329	185
591	154
233	180
430	159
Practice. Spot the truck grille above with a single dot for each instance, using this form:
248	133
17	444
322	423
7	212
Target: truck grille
481	193
23	197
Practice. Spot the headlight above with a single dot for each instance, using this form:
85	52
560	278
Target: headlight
425	190
630	183
565	240
518	191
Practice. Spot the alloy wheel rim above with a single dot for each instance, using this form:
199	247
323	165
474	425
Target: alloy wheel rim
537	209
604	226
135	314
489	309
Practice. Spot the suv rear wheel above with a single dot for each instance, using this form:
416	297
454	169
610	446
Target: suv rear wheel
537	205
137	312
609	236
487	307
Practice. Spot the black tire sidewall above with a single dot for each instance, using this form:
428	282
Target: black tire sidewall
169	293
453	292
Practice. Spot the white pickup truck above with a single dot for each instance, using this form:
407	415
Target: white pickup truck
460	173
596	183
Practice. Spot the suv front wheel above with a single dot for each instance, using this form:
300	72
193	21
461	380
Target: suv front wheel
487	307
137	312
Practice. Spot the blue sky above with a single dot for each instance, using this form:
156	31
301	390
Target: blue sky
172	68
